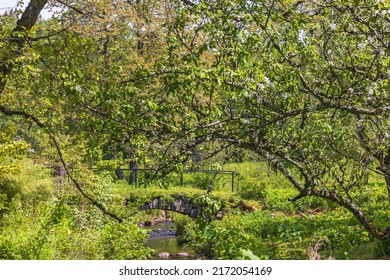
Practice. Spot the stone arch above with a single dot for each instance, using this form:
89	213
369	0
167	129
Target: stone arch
181	205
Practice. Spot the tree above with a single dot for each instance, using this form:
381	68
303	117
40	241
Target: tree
18	53
304	84
16	41
87	78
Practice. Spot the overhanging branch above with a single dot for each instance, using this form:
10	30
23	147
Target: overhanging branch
10	112
23	25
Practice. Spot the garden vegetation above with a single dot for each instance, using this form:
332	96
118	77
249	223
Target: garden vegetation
292	94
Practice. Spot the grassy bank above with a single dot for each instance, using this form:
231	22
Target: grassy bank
47	220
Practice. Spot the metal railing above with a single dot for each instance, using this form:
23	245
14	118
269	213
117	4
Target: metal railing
133	177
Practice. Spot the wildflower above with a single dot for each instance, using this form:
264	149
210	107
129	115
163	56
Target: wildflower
361	46
260	86
302	36
268	82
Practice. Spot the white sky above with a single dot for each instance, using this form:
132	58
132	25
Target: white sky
9	4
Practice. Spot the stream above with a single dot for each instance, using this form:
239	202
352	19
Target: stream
162	239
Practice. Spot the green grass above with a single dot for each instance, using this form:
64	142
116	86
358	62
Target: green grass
44	222
271	226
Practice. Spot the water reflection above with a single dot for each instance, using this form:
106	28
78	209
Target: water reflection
163	240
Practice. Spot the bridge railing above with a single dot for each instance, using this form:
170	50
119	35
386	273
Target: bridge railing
133	177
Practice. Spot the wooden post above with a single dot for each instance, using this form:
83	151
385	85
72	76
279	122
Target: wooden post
238	182
181	179
233	181
133	178
233	174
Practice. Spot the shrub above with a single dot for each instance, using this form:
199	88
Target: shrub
252	188
382	249
123	241
33	182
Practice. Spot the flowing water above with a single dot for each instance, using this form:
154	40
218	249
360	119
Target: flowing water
163	240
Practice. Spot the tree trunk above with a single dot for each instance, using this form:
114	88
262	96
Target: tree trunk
387	179
133	173
119	173
385	168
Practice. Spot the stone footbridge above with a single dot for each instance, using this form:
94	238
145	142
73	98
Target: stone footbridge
181	205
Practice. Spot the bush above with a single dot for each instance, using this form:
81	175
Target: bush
382	249
252	188
124	241
57	230
33	182
182	224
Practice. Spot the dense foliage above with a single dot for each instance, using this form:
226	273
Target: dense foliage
303	85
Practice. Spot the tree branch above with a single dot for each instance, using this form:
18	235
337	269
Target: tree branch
385	234
77	10
23	25
189	3
76	183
